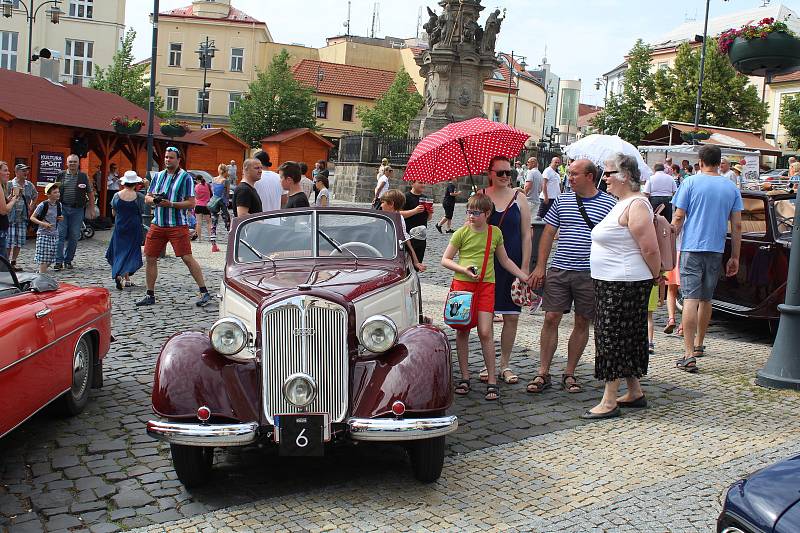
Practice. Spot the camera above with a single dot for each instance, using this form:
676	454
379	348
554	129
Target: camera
158	198
473	269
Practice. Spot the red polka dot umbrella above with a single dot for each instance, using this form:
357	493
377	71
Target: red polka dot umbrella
461	149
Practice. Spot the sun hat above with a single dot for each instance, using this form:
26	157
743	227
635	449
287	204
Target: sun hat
49	186
130	178
738	168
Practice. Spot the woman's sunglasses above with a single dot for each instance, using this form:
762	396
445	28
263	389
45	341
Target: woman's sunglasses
610	172
500	173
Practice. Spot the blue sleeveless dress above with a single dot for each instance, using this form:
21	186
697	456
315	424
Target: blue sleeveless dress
512	241
124	252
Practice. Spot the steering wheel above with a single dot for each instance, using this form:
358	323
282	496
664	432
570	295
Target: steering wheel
354	246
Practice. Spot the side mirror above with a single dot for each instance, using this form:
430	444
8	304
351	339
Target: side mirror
43	283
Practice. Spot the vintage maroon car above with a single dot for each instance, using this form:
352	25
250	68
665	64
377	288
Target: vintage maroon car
320	338
54	337
760	286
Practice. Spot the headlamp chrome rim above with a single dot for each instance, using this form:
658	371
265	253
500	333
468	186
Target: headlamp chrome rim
229	321
290	380
371	322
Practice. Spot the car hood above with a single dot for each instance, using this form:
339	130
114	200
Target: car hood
764	496
347	282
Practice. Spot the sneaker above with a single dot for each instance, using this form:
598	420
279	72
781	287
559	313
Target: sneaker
204	300
147	300
68	266
438	228
451	230
651	348
58	266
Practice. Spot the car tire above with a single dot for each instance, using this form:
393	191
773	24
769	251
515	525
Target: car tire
192	464
427	459
74	400
89	231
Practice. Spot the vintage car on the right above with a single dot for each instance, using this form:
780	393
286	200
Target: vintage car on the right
766	501
760	286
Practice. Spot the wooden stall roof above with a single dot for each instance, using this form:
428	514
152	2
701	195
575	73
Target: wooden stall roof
37	99
295	132
669	133
201	135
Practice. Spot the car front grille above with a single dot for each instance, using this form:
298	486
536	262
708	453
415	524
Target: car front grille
307	335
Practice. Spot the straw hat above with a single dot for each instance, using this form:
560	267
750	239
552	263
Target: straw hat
49	186
738	168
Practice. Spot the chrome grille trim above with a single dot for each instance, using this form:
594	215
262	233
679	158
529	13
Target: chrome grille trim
309	335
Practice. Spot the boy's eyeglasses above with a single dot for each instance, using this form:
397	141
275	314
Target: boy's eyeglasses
474	212
500	173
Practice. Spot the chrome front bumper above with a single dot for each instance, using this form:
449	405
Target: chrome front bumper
190	434
394	429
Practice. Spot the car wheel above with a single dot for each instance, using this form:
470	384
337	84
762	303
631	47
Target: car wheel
75	399
192	463
427	459
89	231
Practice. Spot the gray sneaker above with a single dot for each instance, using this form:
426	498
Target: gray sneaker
147	300
204	300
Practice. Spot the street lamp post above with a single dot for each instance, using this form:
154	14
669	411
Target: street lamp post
151	112
30	13
511	70
320	77
604	82
206	54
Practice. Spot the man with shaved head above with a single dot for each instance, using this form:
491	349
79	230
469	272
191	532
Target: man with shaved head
245	197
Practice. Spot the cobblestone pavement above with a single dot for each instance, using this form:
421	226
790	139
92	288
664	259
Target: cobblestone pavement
523	463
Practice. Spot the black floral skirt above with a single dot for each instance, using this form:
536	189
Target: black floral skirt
620	329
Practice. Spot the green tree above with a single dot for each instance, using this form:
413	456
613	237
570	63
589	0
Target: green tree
393	111
126	79
627	114
729	100
790	115
274	102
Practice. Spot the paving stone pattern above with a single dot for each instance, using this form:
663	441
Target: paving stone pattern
523	463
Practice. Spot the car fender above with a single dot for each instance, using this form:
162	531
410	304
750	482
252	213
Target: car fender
190	373
417	371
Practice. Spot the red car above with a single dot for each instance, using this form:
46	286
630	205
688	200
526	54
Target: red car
320	338
53	339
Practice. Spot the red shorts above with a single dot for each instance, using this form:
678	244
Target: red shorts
482	293
158	237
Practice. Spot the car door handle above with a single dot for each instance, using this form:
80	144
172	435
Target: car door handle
765	247
43	313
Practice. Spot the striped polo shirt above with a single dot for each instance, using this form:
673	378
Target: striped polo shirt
177	188
574	235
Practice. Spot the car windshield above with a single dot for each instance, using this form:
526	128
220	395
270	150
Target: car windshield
784	215
315	234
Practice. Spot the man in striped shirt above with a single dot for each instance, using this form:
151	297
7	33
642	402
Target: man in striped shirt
172	194
568	281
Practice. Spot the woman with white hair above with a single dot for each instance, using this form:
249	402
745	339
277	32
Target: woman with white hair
625	263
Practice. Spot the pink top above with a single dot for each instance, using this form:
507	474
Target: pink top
202	194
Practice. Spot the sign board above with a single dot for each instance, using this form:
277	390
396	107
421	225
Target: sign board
50	166
751	170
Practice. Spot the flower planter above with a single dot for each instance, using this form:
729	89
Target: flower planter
173	130
127	130
776	52
692	136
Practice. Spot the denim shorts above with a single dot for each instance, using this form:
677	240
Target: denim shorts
700	273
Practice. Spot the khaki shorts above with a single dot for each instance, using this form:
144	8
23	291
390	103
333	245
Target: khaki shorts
562	288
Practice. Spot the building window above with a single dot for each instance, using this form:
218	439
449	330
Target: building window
497	112
78	60
497	75
202	102
569	106
533	115
663	65
347	112
175	51
237	59
172	99
233	102
82	9
8	49
322	109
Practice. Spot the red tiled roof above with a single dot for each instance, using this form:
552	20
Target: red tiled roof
585	109
234	15
501	85
346	80
783	78
39	100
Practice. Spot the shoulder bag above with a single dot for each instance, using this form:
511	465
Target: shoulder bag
584	214
459	309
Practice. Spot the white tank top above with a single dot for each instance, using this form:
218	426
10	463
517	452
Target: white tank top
615	254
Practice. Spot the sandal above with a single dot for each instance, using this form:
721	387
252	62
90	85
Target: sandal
687	364
463	388
539	383
484	375
508	376
118	283
492	393
680	330
670	327
129	284
572	388
699	351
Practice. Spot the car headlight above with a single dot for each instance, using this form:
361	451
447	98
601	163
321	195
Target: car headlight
228	336
378	333
299	389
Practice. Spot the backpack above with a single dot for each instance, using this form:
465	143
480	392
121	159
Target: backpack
45	208
667	240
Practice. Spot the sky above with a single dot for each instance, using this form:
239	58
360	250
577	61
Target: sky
583	38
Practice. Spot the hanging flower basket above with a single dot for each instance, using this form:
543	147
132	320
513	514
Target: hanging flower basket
126	125
174	129
696	135
762	49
